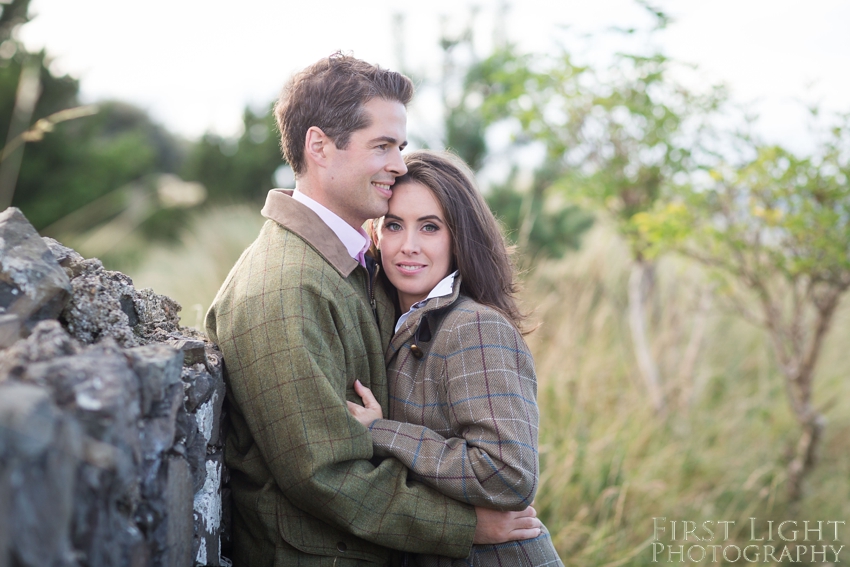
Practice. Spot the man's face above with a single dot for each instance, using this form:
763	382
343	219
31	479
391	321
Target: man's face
357	181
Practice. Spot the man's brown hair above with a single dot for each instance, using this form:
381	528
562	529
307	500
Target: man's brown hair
330	95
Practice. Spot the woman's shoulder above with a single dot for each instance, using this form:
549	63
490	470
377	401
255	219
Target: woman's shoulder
469	324
466	311
466	307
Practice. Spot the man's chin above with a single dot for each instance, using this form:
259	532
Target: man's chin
380	211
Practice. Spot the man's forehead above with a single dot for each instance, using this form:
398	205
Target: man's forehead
387	122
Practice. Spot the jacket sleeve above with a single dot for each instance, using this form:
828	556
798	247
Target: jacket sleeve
289	376
490	389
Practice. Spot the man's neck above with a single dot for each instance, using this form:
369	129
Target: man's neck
355	239
315	192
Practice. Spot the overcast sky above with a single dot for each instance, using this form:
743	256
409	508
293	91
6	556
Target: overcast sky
195	64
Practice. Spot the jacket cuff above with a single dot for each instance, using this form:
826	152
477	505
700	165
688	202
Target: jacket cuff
384	432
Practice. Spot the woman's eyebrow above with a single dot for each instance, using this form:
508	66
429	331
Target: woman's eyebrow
432	217
426	217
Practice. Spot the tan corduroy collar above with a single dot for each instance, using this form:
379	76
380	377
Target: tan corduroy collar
292	215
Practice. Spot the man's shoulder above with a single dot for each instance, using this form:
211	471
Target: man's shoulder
281	249
279	263
300	220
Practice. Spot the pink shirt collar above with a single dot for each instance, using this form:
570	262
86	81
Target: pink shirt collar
355	241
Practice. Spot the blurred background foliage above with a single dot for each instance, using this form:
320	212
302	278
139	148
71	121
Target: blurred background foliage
240	170
689	278
82	174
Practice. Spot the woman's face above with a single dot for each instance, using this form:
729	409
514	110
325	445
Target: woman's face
415	244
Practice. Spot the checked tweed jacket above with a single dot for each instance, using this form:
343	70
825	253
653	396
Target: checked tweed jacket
463	417
296	327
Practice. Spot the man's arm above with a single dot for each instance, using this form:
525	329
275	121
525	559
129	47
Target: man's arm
288	375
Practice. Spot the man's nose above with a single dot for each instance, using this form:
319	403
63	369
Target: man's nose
396	164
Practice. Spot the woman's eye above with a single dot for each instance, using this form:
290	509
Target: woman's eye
392	226
430	228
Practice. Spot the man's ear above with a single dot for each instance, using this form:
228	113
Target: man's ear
316	145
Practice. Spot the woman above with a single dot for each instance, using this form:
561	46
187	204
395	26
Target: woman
463	414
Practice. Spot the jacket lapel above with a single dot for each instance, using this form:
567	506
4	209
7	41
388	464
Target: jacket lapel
286	211
408	329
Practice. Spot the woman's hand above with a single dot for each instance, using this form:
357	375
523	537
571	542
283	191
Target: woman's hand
370	410
498	527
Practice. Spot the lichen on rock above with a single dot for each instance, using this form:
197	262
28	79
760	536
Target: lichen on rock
105	303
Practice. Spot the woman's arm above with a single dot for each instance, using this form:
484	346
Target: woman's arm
491	394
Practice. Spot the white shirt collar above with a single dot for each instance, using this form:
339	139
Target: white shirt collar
444	287
355	241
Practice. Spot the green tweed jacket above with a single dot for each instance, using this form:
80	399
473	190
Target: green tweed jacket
463	417
295	321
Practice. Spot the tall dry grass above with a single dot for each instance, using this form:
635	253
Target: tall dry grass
608	464
192	270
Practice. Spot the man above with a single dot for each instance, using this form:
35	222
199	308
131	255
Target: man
299	319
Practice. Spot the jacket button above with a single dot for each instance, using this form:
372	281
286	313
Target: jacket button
417	352
341	547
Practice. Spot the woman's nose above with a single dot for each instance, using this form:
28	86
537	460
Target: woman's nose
410	244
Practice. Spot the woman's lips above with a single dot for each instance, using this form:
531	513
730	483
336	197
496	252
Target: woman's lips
409	268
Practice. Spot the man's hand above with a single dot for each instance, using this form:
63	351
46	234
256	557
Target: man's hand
370	410
498	527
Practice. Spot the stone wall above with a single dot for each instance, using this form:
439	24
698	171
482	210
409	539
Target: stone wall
110	417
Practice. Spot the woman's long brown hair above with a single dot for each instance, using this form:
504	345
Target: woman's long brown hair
479	251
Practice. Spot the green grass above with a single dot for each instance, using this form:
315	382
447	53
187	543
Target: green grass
608	464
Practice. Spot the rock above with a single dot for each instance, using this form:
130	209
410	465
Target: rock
68	258
157	314
214	361
165	513
33	285
157	367
5	509
26	420
193	349
10	329
106	304
47	341
105	531
110	451
196	453
209	415
198	386
159	431
101	306
177	530
39	451
208	513
99	389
